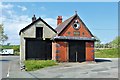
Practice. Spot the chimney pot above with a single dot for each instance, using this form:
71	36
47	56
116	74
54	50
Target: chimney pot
59	20
33	18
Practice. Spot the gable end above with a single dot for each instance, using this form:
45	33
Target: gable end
59	33
39	19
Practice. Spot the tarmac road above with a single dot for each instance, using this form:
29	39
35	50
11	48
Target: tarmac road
103	68
6	64
11	68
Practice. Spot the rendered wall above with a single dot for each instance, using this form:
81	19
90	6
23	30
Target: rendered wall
31	33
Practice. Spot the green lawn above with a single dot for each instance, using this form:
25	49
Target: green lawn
107	53
32	65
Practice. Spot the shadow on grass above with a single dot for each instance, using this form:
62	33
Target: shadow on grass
102	60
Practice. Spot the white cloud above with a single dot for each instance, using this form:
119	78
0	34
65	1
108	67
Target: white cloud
6	6
42	8
6	9
9	12
23	8
13	27
51	22
13	23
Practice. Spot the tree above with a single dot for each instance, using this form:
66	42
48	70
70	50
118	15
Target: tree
97	43
8	44
116	42
3	36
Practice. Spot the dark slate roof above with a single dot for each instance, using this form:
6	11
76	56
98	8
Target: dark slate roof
39	19
61	26
64	24
72	38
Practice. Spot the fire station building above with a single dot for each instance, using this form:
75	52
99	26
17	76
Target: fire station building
71	41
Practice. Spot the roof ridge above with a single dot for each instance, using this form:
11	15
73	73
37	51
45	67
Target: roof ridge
32	23
66	19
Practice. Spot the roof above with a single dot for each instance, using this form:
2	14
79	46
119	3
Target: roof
39	19
61	27
72	38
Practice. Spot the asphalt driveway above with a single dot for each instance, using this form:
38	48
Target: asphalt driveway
102	68
10	68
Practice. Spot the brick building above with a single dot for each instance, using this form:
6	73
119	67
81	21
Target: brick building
71	41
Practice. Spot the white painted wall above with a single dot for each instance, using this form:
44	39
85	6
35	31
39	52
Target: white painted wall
31	33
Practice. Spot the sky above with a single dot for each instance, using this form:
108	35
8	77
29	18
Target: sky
101	18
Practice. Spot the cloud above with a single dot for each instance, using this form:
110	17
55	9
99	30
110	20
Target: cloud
23	8
51	22
42	8
6	6
13	22
6	10
9	12
14	25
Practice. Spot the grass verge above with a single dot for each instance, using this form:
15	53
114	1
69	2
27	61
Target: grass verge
32	65
107	53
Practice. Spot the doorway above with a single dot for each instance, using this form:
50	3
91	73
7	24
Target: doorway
76	51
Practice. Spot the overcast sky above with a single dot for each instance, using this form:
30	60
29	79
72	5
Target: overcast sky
100	17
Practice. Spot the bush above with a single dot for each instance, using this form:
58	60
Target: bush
107	53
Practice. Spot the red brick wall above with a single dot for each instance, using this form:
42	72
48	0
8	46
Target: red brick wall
61	54
71	30
62	49
89	51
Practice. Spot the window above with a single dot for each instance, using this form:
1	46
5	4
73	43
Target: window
76	33
39	32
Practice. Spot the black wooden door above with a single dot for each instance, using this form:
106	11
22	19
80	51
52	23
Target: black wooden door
72	52
38	49
76	51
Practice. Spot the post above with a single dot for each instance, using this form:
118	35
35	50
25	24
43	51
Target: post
76	56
